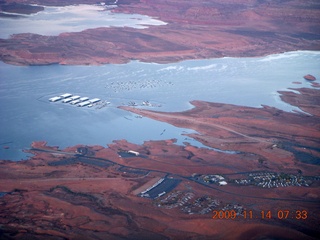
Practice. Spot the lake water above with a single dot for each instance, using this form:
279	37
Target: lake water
27	115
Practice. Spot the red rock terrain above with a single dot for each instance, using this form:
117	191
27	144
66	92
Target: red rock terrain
197	29
90	192
309	77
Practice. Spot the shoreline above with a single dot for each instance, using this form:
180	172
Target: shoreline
316	52
196	33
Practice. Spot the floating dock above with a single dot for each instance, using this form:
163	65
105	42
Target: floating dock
75	97
74	102
55	99
94	100
66	100
82	99
66	95
82	104
78	100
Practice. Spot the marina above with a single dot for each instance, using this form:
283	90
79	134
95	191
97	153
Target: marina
79	101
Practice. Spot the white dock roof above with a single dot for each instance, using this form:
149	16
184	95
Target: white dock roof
54	99
66	95
83	98
84	104
94	100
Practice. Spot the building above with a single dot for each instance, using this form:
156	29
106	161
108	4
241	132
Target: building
222	183
219	177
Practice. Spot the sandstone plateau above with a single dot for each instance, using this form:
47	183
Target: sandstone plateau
91	192
194	30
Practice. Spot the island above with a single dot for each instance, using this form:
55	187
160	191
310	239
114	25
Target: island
309	77
260	171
